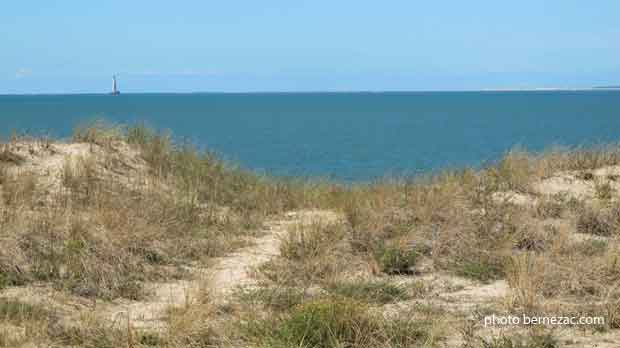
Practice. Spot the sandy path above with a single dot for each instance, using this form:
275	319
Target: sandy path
235	270
219	280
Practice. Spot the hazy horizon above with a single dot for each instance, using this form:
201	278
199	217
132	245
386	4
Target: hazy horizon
277	46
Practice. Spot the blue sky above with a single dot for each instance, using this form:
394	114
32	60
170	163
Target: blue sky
72	46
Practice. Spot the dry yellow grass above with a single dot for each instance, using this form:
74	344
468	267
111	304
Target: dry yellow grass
121	207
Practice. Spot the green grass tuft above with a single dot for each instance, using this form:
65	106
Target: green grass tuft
380	292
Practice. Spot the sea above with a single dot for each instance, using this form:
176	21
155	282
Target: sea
348	137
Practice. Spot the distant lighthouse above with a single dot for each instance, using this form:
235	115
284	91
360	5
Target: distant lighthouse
114	89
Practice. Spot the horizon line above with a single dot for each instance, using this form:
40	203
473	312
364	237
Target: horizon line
533	89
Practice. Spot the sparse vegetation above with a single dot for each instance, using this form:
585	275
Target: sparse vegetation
120	208
599	221
551	207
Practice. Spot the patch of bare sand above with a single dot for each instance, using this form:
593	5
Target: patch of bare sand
66	308
235	270
46	161
579	185
455	294
574	184
571	337
151	312
566	183
565	336
516	198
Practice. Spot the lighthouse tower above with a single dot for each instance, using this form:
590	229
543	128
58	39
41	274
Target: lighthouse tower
114	89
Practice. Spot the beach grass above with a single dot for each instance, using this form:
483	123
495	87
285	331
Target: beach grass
130	206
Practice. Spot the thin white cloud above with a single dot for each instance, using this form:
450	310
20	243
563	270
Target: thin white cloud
23	72
182	73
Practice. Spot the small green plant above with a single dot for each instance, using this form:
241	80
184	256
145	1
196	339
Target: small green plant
327	323
380	292
396	259
17	312
480	270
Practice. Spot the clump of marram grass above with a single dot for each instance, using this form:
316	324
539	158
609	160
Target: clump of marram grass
599	221
485	242
552	207
18	312
524	272
604	190
396	259
80	176
513	172
308	254
98	132
339	322
191	324
310	241
18	189
577	159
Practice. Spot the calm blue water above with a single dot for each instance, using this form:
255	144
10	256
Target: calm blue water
347	136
